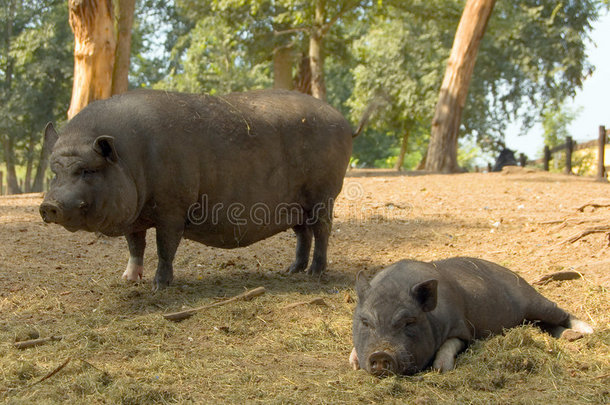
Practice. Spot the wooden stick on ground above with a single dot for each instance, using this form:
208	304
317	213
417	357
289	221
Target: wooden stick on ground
588	231
594	204
52	373
245	296
559	276
35	342
315	301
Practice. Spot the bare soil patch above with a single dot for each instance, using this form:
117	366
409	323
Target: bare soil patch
121	350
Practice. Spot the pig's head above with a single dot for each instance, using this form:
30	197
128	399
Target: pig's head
92	189
391	329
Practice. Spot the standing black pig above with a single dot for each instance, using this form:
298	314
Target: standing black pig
224	171
416	314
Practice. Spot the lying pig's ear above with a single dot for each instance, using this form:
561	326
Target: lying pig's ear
425	294
104	145
362	285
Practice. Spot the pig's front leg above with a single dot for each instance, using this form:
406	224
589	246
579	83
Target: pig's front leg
169	235
135	266
353	360
445	357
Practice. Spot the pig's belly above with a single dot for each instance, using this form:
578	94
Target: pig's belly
230	236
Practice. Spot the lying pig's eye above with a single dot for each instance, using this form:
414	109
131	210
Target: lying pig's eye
366	322
404	321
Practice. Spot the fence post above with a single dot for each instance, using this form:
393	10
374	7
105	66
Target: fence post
1	177
569	149
601	147
547	157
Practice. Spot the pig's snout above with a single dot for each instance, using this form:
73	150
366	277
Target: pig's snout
51	212
382	364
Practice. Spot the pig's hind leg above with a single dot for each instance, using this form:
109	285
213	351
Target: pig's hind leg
552	318
135	266
304	235
323	214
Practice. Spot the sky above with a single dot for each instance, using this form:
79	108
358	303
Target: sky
593	99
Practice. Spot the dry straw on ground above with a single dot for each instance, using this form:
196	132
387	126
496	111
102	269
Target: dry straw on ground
116	347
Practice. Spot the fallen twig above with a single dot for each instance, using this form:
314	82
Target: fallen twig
55	371
594	204
246	296
559	276
588	231
315	301
35	342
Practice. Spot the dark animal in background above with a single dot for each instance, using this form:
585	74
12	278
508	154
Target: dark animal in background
505	158
224	171
413	314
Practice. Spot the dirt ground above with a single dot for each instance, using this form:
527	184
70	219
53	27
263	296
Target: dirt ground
120	350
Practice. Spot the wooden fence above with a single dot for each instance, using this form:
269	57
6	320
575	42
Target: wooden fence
570	146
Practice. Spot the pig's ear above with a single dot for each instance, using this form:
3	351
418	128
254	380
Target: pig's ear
362	285
104	145
425	294
50	135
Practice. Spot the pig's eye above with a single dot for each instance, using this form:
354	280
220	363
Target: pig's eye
366	322
87	172
404	321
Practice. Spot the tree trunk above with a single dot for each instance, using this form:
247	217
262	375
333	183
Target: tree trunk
316	58
43	162
94	49
12	185
27	184
403	150
120	76
302	81
442	150
282	68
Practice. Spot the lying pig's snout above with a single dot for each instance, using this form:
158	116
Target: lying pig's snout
51	212
382	364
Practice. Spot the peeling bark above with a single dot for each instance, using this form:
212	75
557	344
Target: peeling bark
94	51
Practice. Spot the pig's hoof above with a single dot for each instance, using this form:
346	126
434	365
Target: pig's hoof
444	362
353	360
133	272
316	269
297	267
580	326
161	283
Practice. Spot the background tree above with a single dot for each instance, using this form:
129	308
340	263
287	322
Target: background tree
35	73
442	150
124	10
400	61
94	51
100	51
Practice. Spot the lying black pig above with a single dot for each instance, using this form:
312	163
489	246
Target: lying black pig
416	314
224	171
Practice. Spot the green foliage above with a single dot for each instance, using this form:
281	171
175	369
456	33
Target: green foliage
35	73
532	56
393	52
555	122
215	62
400	65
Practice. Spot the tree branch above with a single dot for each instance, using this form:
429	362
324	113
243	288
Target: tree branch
290	31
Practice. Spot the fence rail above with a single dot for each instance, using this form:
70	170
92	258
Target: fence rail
571	146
